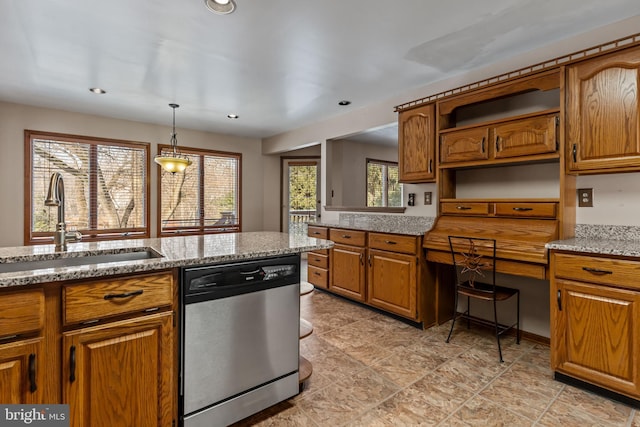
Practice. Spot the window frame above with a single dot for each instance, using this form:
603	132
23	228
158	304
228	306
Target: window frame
89	235
202	229
385	185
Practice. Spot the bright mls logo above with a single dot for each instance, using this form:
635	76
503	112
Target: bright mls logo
34	415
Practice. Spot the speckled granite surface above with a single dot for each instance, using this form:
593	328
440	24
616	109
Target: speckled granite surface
602	239
175	251
397	224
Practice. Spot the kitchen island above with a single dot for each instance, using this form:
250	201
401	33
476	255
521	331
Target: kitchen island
102	336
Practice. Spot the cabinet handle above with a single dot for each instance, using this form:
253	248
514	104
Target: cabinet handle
430	165
316	259
316	273
390	242
32	373
72	364
574	152
522	209
597	270
463	208
316	232
482	144
369	260
346	236
124	295
361	259
497	144
559	297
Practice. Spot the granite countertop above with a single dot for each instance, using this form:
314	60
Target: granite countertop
382	224
176	252
629	248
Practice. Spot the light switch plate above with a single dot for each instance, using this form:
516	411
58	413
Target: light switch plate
585	197
427	197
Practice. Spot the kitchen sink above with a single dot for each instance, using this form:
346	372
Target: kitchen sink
71	259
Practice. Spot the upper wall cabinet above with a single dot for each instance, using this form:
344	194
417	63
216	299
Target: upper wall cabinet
506	140
602	114
416	144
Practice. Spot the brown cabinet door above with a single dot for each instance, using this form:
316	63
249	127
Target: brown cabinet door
120	374
392	282
464	145
602	113
594	334
526	137
416	144
348	272
21	372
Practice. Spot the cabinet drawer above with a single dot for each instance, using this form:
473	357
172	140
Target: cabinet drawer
616	272
318	276
539	210
318	232
107	298
318	260
21	312
465	208
348	237
393	243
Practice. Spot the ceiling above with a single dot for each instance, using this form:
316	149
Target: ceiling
278	64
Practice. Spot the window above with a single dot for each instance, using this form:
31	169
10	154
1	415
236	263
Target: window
105	183
205	198
383	188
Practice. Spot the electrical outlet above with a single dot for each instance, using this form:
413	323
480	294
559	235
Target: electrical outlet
585	197
427	197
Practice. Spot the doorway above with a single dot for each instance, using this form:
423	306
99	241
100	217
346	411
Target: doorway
300	193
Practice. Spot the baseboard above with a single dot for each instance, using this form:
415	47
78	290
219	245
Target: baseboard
597	390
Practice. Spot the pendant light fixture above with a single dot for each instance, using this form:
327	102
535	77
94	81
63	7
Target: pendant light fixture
174	161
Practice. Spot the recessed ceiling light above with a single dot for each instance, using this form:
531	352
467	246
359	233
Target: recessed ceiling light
221	7
97	90
344	102
233	116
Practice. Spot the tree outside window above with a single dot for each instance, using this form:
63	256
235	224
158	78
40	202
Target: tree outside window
105	183
383	186
205	198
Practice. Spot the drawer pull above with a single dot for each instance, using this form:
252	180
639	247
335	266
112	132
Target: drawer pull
390	242
316	232
32	373
522	209
124	295
597	270
346	236
315	273
463	208
316	260
482	145
72	363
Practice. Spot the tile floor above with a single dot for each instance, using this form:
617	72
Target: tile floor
372	370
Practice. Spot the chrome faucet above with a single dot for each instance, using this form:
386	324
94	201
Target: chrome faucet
55	197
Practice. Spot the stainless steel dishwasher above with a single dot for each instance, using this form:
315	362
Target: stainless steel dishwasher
239	340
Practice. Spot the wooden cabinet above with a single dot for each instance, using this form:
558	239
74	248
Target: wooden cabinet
348	263
392	275
120	374
21	373
512	140
21	346
603	127
106	347
595	315
318	261
416	144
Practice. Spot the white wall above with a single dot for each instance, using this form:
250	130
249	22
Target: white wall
15	118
